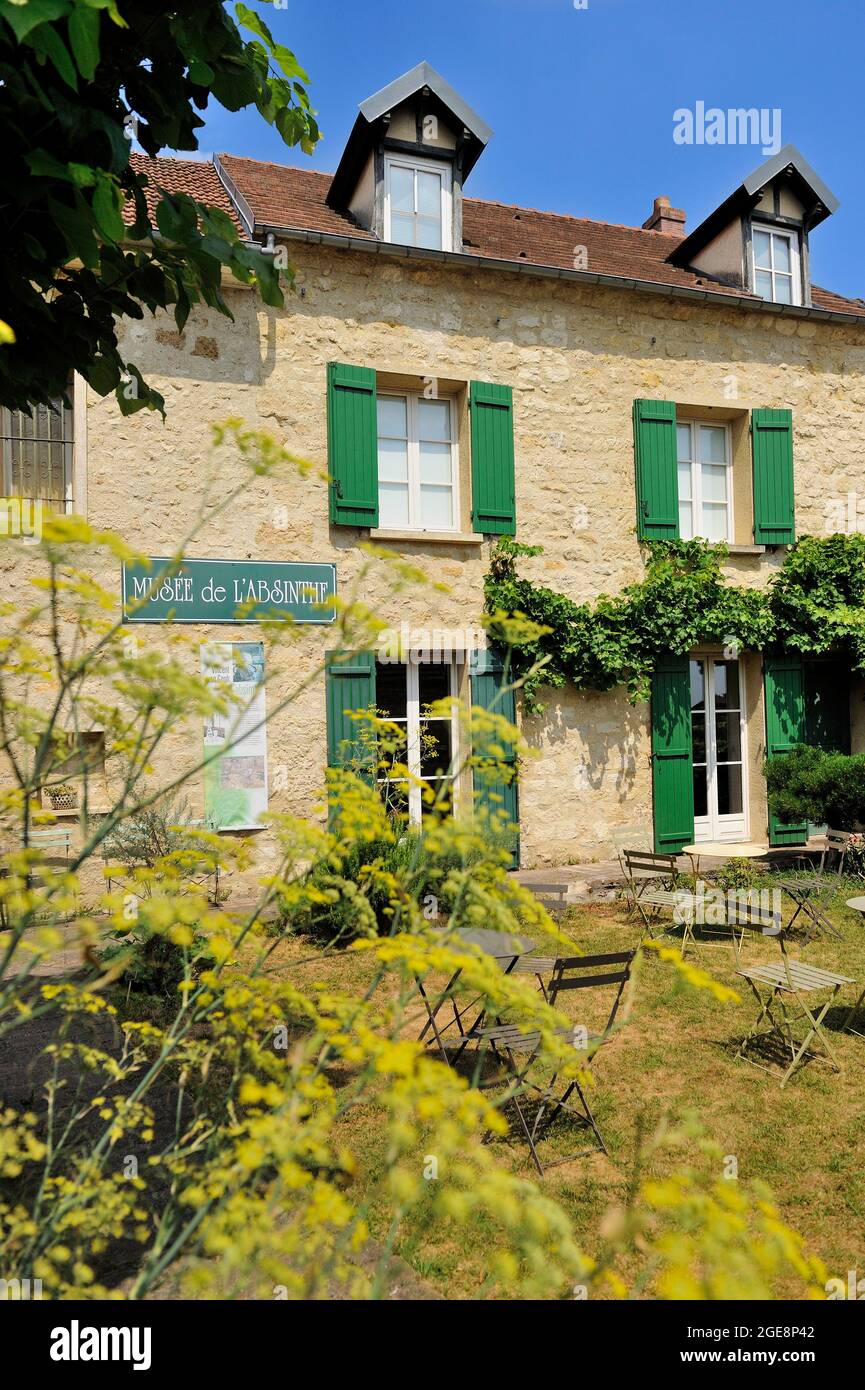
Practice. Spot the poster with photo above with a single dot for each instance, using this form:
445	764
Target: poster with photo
235	781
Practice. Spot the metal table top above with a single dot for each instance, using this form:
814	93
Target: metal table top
498	944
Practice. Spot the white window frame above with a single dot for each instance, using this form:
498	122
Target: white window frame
413	400
413	743
434	166
711	827
696	476
795	272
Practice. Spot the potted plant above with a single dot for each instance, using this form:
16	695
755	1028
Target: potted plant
63	796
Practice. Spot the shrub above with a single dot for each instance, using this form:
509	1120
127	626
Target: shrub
737	873
810	785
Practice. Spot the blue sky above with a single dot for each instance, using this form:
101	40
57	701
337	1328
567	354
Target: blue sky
582	101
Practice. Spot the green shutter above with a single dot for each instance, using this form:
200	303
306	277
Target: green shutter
672	762
656	470
784	687
496	802
493	490
350	682
352	445
772	457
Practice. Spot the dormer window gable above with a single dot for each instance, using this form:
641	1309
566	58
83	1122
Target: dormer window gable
758	239
402	172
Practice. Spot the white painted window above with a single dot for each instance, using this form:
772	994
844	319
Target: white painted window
404	694
38	454
705	481
776	265
418	462
417	202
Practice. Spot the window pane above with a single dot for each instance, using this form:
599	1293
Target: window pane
436	464
402	228
390	689
762	249
714	523
436	508
434	682
434	420
686	521
782	254
684	482
713	444
764	284
392	416
435	747
714	483
429	233
698	685
698	737
393	504
429	194
729	791
683	442
728	733
392	461
401	189
701	794
727	685
783	289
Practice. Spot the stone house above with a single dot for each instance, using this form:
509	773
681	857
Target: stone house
462	370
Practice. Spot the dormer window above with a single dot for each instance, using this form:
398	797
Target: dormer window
776	265
417	203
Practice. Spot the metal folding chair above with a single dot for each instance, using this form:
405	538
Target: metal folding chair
773	985
552	896
643	871
803	890
508	1044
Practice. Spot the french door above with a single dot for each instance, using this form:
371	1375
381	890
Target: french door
718	739
406	695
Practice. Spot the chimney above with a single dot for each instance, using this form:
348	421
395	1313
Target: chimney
670	221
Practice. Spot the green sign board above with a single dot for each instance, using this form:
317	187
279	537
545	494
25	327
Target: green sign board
227	591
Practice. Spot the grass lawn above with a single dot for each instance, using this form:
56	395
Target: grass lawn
677	1053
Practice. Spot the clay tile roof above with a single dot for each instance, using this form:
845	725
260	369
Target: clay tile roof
284	197
196	177
281	196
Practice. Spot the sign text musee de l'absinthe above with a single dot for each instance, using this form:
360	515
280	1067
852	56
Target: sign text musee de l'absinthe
227	591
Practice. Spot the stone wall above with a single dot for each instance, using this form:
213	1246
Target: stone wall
576	356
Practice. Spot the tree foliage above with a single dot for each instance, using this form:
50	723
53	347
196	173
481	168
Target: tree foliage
814	603
78	80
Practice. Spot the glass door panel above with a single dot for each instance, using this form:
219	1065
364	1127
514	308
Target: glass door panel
717	729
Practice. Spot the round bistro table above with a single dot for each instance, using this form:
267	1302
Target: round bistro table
724	849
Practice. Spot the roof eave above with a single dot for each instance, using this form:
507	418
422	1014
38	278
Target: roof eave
467	261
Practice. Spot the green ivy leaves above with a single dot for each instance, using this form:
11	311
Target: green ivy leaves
814	603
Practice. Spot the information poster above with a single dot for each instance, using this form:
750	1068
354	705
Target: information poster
235	781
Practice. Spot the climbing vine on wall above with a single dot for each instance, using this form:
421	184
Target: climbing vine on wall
815	602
